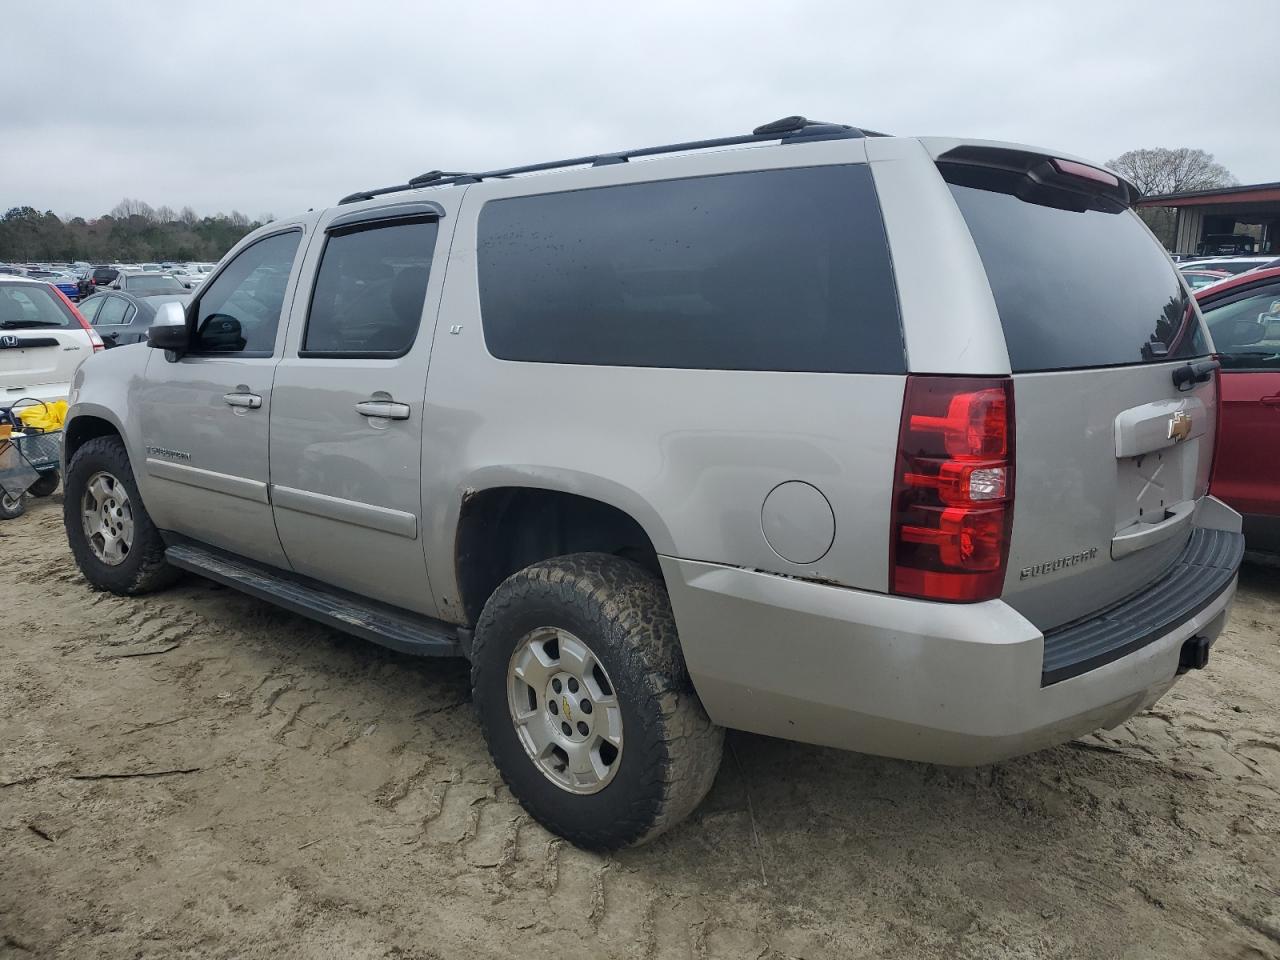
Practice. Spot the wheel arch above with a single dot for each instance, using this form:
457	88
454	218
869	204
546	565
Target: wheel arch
84	425
505	527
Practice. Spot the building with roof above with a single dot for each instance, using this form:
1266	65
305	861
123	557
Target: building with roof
1208	220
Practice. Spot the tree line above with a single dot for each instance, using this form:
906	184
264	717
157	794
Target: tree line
133	232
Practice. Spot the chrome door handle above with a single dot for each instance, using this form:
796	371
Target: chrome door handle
386	409
250	400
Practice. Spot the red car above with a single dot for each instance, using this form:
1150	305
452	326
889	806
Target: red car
1243	315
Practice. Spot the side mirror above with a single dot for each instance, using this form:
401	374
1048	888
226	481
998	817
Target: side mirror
169	329
221	333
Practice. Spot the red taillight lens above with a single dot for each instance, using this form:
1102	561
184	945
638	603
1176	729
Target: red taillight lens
953	488
94	339
1073	169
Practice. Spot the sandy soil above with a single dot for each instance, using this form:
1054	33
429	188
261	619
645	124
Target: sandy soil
198	774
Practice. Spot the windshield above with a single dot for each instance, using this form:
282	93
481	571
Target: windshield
32	305
153	284
1078	289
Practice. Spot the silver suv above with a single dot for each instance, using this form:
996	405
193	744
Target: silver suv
899	445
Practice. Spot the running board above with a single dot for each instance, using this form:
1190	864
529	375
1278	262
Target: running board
398	629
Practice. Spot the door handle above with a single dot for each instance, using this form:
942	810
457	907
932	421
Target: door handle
1272	401
250	400
386	409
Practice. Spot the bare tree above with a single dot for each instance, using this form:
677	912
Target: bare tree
128	207
188	216
266	218
1157	170
1160	170
239	219
165	214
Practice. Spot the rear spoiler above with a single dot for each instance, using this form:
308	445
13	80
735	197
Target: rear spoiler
1038	178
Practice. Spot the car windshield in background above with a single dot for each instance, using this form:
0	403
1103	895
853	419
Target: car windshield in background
32	305
146	283
1078	289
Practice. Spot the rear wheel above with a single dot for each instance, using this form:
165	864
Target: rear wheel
588	711
11	507
115	544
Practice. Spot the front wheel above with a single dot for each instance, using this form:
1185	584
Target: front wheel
46	485
585	702
111	535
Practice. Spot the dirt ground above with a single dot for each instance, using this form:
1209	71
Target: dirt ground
198	774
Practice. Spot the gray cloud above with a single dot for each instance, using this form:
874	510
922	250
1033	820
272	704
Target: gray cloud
264	106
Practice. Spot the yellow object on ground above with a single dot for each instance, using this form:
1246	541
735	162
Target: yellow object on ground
46	416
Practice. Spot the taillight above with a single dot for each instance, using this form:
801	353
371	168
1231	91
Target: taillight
94	339
953	489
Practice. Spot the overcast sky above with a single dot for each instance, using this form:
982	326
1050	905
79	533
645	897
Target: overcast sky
276	106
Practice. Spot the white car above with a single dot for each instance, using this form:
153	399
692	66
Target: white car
1232	265
43	339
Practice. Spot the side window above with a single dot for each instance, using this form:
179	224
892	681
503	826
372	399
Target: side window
370	289
89	309
1246	329
767	270
239	311
112	312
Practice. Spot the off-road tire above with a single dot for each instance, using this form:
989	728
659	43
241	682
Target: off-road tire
45	486
671	749
11	507
145	568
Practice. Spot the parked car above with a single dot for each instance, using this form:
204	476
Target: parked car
1202	278
43	338
122	318
147	283
68	283
1228	244
185	277
1243	315
850	466
1232	265
104	275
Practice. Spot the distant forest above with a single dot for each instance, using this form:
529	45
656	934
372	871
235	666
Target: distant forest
133	232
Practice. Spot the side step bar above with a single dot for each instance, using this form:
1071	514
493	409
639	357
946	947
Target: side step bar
383	624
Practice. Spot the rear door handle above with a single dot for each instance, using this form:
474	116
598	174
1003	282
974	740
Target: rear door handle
250	400
386	409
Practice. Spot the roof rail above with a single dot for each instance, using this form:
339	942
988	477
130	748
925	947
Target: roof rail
786	130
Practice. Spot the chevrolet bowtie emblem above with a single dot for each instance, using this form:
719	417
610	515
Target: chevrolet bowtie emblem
1179	426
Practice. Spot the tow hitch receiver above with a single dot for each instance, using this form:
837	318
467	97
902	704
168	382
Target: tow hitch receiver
1194	655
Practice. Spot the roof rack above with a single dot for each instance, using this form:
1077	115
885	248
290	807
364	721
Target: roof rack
786	130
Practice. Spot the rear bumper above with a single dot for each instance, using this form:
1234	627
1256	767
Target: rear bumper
43	391
955	684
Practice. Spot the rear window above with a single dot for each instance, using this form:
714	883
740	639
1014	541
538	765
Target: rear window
153	284
769	270
33	305
1077	288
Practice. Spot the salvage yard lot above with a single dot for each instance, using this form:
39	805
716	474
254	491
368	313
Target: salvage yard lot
196	773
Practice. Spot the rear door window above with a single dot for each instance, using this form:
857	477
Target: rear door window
370	289
767	270
112	312
1077	288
